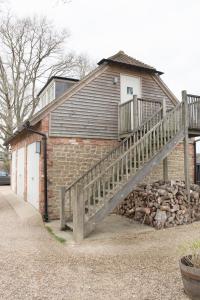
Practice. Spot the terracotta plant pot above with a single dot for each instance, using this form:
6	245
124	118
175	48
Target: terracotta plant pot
191	279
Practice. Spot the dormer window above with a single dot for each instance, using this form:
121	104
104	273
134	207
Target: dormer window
54	87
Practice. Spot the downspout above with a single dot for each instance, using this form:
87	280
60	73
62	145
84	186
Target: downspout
44	139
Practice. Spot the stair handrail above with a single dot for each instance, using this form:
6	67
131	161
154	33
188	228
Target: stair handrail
118	173
163	120
155	116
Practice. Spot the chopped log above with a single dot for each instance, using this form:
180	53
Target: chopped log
162	204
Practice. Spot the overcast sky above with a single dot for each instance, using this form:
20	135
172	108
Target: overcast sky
164	34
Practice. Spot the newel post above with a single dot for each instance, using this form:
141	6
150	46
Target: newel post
165	160
135	112
186	143
78	214
62	209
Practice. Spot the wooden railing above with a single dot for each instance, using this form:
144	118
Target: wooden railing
86	197
68	194
134	112
193	111
98	191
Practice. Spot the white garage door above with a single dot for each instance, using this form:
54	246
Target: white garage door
33	160
20	172
13	171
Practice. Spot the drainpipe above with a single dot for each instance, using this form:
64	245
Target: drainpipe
44	138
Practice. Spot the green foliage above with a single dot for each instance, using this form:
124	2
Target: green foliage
58	238
193	249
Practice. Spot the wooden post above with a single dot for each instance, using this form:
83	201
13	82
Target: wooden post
78	214
186	143
165	160
62	209
135	112
119	123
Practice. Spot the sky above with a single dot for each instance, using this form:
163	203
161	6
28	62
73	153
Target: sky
164	34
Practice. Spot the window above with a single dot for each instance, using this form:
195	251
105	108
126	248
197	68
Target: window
129	90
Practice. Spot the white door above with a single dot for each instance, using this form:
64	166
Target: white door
33	164
130	86
20	172
13	171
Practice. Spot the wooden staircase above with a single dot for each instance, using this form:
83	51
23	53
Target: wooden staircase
95	194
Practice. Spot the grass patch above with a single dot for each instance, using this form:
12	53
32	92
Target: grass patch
190	247
57	238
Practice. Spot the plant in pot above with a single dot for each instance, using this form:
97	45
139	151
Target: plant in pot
190	271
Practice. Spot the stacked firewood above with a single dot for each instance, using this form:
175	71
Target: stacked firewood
162	204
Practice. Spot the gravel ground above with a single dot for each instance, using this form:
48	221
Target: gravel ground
35	266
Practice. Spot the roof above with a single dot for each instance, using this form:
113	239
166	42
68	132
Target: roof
56	77
122	58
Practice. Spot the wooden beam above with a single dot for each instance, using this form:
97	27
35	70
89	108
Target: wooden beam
78	214
186	143
165	160
165	169
135	112
62	209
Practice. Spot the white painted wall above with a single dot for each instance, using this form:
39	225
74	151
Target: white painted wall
33	160
20	172
13	171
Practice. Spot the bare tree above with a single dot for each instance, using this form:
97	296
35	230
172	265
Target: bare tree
31	51
83	65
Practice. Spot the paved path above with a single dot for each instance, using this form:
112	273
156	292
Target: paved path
35	266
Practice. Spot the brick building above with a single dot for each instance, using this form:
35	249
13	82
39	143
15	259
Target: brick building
79	123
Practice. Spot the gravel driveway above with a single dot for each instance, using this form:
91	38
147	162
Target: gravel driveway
35	266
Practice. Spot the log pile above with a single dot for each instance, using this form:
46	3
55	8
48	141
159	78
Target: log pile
162	204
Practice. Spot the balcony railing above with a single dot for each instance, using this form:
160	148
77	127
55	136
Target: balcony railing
136	111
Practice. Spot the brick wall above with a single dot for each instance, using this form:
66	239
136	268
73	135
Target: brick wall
69	158
175	165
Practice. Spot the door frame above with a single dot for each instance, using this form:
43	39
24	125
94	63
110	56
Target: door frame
129	75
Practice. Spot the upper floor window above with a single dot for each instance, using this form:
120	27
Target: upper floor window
129	90
48	95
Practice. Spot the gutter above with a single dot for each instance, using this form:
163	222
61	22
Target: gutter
44	139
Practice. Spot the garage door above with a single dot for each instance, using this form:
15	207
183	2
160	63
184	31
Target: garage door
20	172
13	171
33	160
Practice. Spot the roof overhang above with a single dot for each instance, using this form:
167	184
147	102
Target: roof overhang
122	64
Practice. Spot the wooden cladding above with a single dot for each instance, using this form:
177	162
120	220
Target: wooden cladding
93	111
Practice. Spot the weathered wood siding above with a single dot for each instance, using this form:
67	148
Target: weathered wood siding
151	90
93	110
